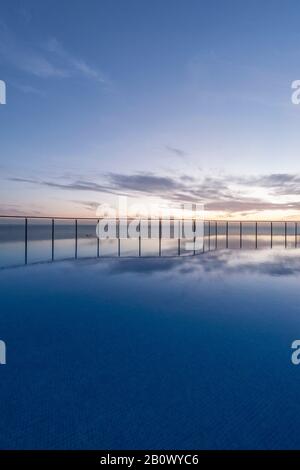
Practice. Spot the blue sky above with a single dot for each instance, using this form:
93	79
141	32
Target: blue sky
180	100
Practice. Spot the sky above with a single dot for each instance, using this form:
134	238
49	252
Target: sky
173	101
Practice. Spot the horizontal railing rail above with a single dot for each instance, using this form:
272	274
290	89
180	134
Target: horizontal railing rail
231	221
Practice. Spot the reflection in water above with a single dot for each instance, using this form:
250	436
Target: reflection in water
262	262
274	262
123	348
173	352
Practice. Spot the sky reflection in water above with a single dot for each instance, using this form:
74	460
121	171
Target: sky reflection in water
190	352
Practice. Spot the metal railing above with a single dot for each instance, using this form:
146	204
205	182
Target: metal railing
218	234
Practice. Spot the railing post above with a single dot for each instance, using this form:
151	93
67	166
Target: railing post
209	235
76	238
271	234
227	230
179	235
285	234
256	235
241	234
118	237
216	235
194	230
98	240
52	239
140	239
159	236
296	234
26	239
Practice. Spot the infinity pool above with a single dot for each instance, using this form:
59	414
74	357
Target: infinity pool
178	353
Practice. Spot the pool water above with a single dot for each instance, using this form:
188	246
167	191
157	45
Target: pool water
170	353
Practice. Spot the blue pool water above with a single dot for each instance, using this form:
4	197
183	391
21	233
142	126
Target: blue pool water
178	353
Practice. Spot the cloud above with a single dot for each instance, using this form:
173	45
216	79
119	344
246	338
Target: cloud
249	205
73	64
51	60
7	209
143	182
72	186
226	194
115	183
25	58
281	183
176	151
173	189
90	205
